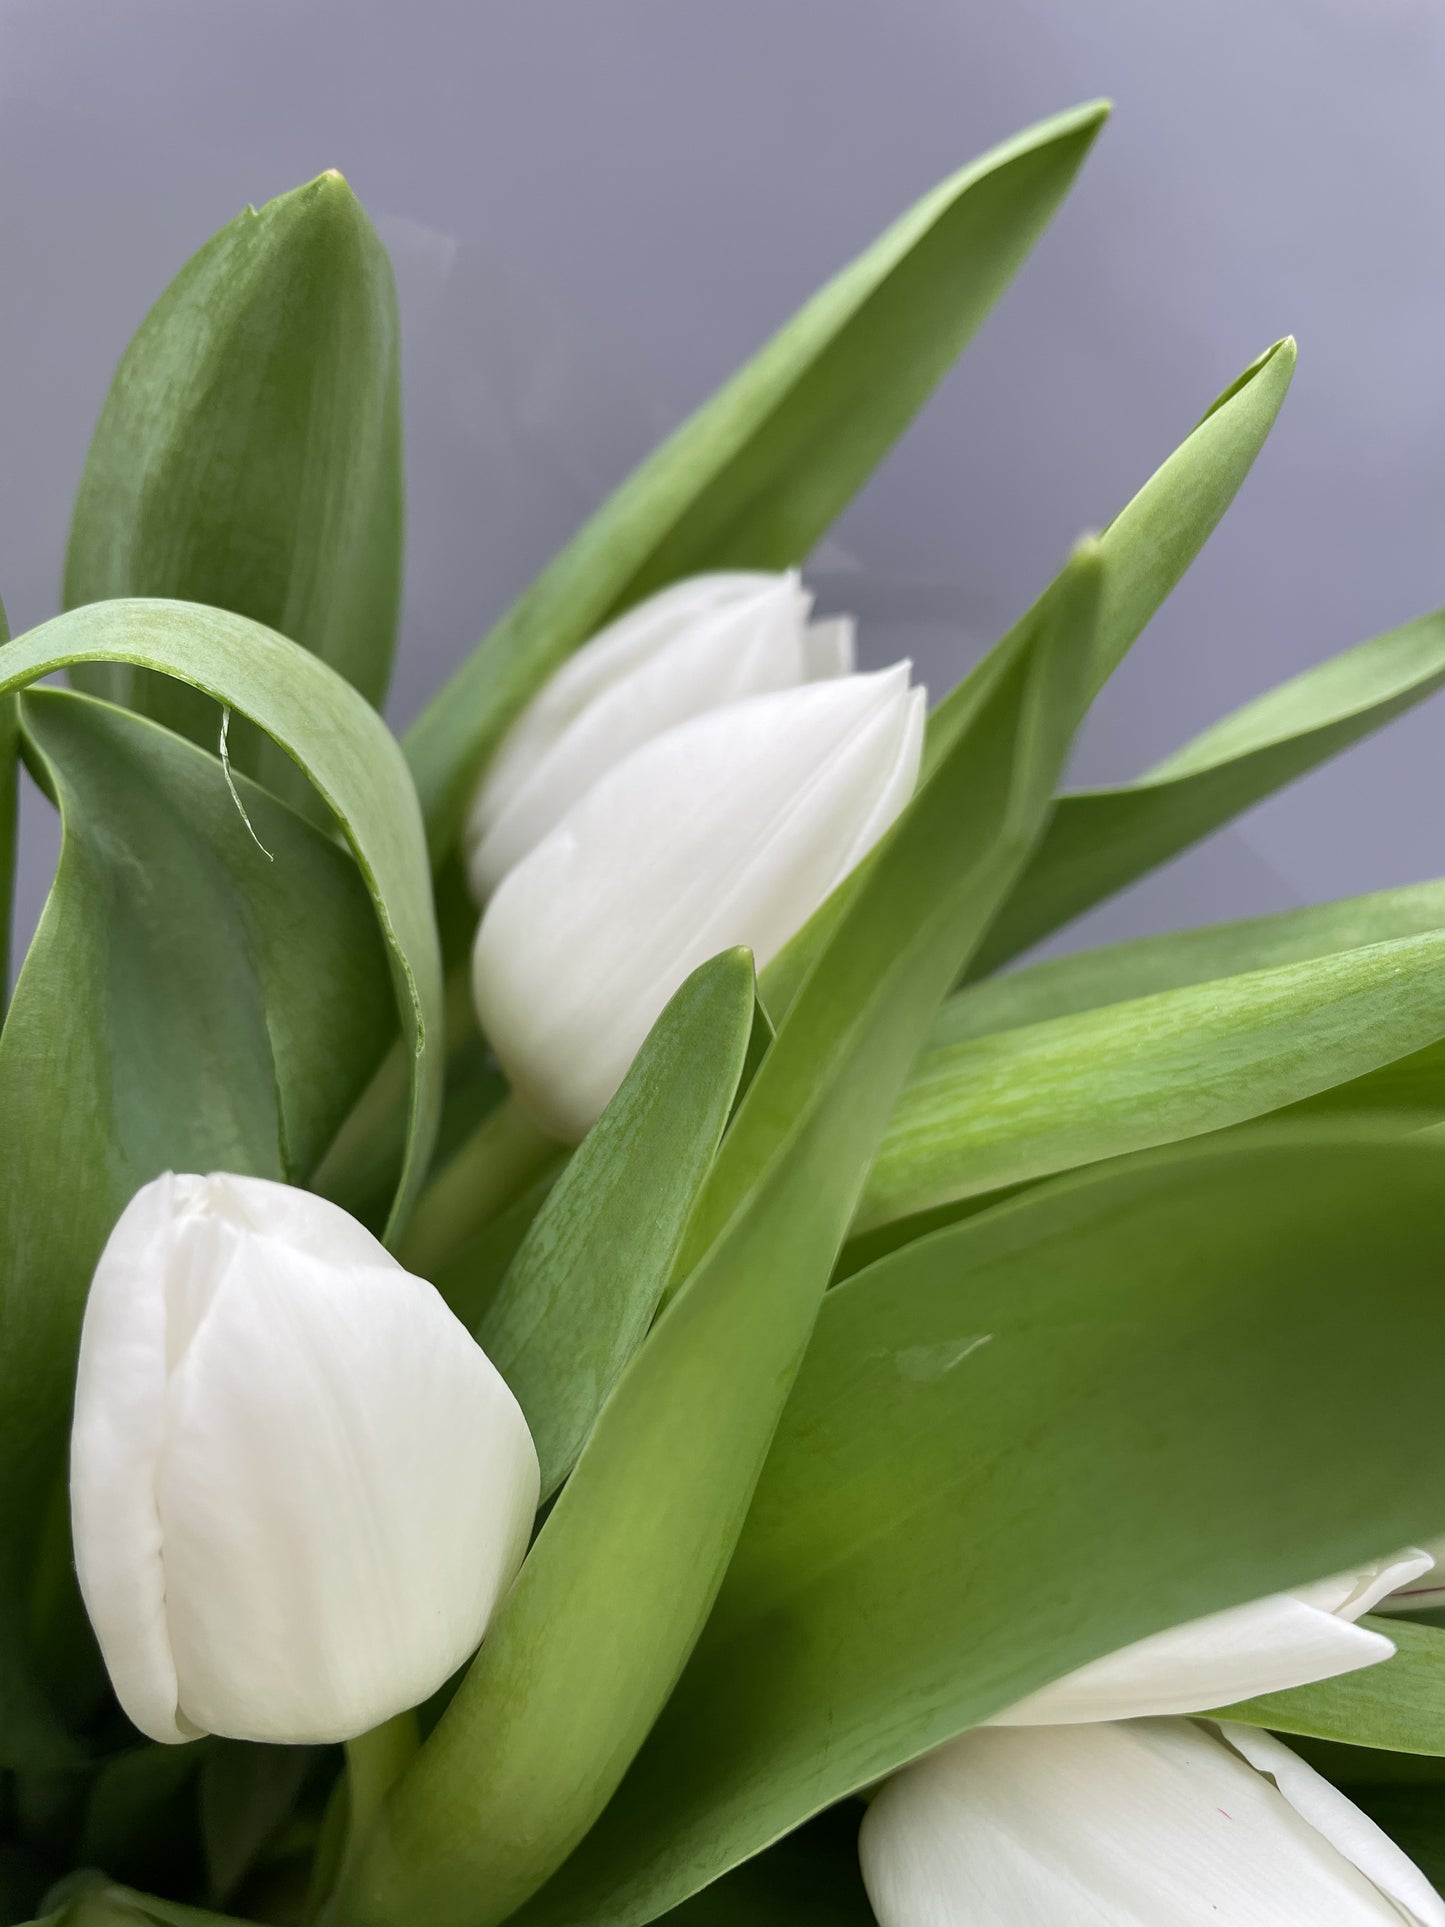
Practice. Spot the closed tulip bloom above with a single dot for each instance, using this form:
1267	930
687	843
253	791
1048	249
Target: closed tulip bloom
298	1486
1131	1825
730	829
703	642
1263	1647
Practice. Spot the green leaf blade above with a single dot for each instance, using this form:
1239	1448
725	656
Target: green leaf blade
249	453
581	1292
758	474
1031	1440
1101	840
1001	1110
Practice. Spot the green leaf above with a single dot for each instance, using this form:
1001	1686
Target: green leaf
246	1796
343	748
1146	550
582	1291
1117	972
617	1586
249	455
1101	840
100	1904
1022	1103
1028	1441
760	472
188	1003
1398	1705
139	1821
809	1879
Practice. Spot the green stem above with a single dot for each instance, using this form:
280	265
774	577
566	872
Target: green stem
373	1761
492	1168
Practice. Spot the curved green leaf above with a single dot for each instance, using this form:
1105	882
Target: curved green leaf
1100	840
759	473
9	805
616	1588
581	1292
249	455
1031	1440
1398	1705
1146	550
998	1110
1118	972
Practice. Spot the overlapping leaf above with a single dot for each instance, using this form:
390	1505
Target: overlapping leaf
582	1291
1033	1439
985	1112
1146	550
1100	840
758	474
615	1590
249	456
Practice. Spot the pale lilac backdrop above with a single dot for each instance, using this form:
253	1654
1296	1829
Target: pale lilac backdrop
598	207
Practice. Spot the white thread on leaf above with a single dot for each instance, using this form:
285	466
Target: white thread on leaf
231	783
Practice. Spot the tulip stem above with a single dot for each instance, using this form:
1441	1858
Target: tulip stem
374	1761
489	1170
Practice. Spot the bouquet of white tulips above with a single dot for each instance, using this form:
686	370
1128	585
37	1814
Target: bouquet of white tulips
576	1349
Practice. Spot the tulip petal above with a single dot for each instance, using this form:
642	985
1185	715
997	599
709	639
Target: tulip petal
701	643
728	830
115	1449
830	648
1340	1822
346	1491
1128	1825
1264	1646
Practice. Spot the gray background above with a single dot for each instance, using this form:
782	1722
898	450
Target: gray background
597	208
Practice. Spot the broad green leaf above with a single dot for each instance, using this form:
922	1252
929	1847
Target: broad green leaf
247	1793
1146	550
759	473
809	1879
591	1638
139	1820
1398	1705
1029	1441
340	744
1100	840
1114	974
249	455
582	1291
1018	1104
189	1001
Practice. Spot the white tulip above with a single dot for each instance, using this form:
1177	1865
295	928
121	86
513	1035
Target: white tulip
298	1486
1130	1825
1263	1647
1417	1592
703	642
730	829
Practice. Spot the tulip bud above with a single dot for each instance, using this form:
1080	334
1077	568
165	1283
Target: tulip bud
1263	1647
1135	1824
703	642
730	829
298	1486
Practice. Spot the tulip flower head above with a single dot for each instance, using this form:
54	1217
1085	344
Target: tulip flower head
702	642
1265	1646
1137	1824
298	1486
729	829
